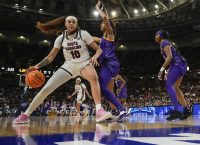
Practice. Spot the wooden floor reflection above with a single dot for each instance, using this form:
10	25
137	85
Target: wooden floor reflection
58	125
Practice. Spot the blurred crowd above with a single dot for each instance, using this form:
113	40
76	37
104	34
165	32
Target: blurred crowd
159	97
145	92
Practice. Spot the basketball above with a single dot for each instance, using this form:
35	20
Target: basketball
35	79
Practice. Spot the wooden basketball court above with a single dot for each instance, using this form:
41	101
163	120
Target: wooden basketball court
136	130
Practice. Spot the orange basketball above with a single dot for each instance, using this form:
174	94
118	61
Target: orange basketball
35	79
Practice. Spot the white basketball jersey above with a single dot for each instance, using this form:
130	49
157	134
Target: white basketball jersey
80	89
75	46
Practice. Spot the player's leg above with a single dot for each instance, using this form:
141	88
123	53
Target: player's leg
105	77
181	99
111	87
89	73
173	75
78	106
58	78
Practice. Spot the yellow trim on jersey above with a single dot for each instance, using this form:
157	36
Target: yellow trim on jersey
109	39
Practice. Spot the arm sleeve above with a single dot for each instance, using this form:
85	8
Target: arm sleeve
87	37
165	43
57	43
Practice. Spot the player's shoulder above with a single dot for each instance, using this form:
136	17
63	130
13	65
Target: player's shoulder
164	43
84	32
59	38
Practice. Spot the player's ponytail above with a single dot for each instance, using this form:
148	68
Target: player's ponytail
54	26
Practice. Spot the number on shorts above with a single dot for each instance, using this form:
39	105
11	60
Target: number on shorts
75	54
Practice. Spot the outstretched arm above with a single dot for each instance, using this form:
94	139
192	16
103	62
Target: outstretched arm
104	18
48	59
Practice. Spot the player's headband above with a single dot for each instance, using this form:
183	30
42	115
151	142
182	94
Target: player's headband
78	79
71	18
159	33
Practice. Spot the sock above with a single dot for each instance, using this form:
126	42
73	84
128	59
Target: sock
98	106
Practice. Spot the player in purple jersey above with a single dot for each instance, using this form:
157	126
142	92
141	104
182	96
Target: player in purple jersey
177	69
109	64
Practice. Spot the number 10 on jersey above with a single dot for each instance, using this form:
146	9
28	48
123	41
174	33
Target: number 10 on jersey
75	54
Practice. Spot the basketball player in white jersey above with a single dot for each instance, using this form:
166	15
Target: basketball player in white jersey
77	62
80	91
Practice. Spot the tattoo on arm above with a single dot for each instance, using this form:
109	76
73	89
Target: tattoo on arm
44	62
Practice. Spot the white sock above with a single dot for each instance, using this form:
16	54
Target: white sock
122	112
98	106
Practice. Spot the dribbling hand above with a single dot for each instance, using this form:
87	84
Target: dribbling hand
31	69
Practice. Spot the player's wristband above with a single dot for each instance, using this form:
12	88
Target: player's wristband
162	69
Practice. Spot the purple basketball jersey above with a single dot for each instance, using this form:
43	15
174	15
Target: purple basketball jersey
108	57
177	58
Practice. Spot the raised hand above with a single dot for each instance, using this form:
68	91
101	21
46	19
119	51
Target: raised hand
98	5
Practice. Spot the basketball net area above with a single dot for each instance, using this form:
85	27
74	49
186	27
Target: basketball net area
22	80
